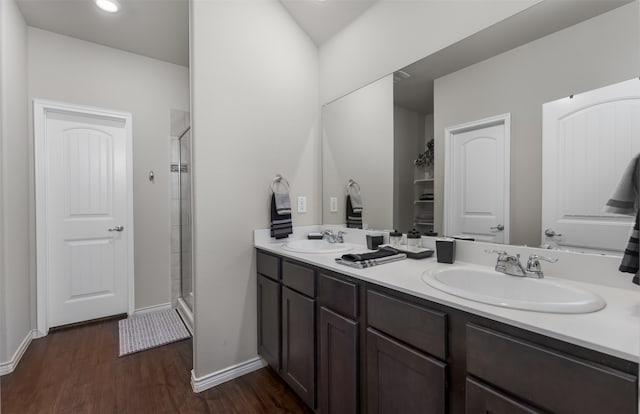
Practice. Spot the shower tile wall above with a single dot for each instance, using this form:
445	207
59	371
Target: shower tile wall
179	123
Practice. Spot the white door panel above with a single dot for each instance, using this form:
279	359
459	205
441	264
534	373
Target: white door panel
477	197
588	141
86	185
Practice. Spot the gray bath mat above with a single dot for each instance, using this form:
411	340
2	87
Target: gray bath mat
149	330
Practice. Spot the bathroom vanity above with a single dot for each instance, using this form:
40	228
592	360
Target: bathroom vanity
379	340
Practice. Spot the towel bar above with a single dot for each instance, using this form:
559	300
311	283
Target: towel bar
279	179
352	183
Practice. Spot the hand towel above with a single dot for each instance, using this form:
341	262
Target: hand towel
356	198
363	264
626	200
281	224
630	259
625	197
380	253
283	203
354	218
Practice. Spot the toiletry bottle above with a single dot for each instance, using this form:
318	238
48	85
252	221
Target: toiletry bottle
413	239
395	238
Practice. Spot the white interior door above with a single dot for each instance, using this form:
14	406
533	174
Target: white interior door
84	215
477	180
588	141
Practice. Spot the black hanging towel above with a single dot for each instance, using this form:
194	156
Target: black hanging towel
354	205
281	223
630	259
625	200
354	218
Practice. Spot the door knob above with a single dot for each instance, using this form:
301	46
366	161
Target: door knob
117	228
499	227
551	233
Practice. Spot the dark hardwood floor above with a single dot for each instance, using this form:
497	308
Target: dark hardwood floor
78	371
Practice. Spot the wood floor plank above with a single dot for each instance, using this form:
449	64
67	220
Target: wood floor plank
78	371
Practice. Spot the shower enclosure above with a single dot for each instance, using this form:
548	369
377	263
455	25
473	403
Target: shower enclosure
181	223
186	274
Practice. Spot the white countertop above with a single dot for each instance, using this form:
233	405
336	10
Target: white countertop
614	330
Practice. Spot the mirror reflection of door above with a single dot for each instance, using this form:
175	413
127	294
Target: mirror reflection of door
477	180
588	141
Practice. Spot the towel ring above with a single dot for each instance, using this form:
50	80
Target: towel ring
279	179
354	184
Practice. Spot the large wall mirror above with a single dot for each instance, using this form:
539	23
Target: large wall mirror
481	97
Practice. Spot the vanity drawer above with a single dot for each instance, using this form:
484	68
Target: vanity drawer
268	265
481	398
546	378
299	278
338	295
421	328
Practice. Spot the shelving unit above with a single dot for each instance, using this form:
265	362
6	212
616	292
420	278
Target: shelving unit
423	209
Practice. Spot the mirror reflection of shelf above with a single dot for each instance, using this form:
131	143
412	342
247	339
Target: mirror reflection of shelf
423	203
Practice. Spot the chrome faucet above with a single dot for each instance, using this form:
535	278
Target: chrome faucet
511	265
331	237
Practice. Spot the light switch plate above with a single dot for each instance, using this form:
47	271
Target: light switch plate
333	204
302	204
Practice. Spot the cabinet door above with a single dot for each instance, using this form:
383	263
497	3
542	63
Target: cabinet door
298	344
338	385
402	380
482	399
269	321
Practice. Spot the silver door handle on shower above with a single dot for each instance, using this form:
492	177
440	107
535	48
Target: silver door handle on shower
117	228
499	227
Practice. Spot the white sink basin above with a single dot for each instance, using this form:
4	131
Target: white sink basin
314	246
494	288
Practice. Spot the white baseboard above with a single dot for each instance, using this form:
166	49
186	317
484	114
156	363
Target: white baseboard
9	366
186	314
154	308
226	374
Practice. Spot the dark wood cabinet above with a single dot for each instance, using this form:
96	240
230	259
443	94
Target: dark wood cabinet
401	379
482	399
269	321
365	348
338	370
298	344
553	381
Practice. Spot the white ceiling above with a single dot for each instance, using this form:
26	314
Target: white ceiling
322	19
155	28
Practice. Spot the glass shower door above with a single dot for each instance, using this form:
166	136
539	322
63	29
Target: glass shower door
186	273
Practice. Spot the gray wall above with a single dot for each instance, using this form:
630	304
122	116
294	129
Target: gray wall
409	138
255	113
15	263
357	143
592	54
393	34
65	69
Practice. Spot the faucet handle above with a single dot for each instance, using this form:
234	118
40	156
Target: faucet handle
501	262
535	258
533	264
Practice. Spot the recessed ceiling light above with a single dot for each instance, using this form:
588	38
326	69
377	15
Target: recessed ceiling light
111	6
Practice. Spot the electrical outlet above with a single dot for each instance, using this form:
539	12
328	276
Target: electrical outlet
333	204
302	204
